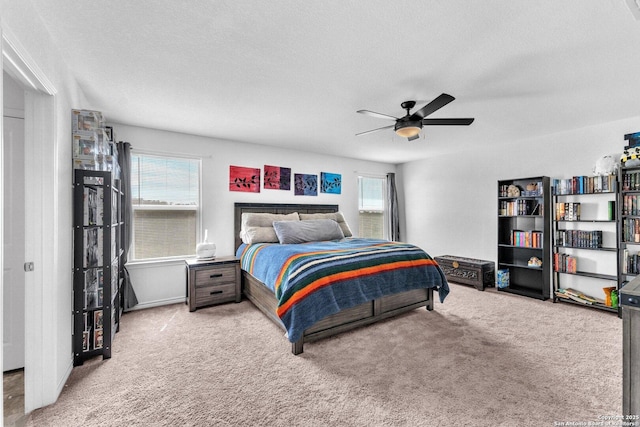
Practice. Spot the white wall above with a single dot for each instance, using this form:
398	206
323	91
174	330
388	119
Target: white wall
163	283
451	200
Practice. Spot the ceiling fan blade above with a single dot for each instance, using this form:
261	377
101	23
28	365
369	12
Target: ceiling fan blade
378	115
411	138
374	130
446	122
431	107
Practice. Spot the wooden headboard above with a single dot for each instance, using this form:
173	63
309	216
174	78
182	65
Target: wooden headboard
277	208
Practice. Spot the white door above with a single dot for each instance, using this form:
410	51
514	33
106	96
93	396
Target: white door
14	201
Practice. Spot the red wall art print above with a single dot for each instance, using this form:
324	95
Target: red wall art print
244	179
277	178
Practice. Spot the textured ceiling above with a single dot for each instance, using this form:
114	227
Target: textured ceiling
293	74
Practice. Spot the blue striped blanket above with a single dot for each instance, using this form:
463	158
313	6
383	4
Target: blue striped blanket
317	279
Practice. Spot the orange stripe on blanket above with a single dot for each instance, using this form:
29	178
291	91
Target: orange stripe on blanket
252	263
288	262
346	275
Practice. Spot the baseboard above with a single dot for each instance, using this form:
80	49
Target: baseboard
157	303
65	377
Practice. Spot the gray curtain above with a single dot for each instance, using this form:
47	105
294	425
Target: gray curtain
124	159
392	202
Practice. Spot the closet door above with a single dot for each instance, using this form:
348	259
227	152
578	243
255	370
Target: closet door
14	249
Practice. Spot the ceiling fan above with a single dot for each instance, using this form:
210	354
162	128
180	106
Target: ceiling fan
410	125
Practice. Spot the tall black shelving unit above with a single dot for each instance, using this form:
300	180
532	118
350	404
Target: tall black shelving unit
97	275
524	233
585	232
628	225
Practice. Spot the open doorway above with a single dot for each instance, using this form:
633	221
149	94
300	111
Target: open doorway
39	232
13	310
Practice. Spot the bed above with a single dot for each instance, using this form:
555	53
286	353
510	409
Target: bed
384	303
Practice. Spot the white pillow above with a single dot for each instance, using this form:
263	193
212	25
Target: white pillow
307	231
336	216
258	227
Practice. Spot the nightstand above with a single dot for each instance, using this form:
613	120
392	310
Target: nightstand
213	282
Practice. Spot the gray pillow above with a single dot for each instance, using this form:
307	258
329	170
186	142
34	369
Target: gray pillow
336	216
258	227
307	231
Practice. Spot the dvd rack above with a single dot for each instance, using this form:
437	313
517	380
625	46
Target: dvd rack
97	293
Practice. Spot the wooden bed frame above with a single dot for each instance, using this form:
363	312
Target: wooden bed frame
363	314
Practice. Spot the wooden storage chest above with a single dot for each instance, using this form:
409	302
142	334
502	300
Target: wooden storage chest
470	271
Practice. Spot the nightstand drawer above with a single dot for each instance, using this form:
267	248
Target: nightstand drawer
216	276
215	294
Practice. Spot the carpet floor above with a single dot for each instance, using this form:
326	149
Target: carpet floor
480	359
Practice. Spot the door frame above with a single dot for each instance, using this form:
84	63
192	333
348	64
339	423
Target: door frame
41	235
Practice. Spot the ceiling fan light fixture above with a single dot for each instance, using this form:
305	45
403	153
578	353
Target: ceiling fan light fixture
408	129
408	132
410	125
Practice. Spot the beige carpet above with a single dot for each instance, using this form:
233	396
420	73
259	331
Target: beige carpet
479	359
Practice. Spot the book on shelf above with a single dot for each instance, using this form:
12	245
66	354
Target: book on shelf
584	185
97	319
631	230
520	207
100	206
98	338
560	212
86	337
630	262
114	207
611	210
568	211
579	239
528	239
578	296
93	238
564	263
93	288
630	204
631	181
90	206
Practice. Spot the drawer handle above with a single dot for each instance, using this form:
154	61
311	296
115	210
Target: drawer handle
215	292
213	276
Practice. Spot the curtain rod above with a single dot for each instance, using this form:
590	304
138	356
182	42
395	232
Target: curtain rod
372	173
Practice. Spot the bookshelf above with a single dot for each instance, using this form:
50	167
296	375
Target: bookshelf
524	240
97	284
629	225
585	240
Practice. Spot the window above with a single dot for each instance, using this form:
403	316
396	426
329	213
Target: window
371	206
165	194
